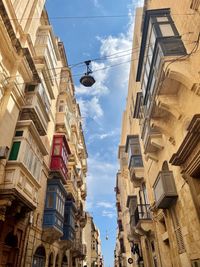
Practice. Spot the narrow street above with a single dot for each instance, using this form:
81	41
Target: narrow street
99	133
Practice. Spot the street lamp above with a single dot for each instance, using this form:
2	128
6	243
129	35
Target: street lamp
87	80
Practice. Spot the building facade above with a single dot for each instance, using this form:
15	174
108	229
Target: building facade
92	240
43	157
157	186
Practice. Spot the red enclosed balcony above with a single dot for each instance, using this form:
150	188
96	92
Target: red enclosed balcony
59	157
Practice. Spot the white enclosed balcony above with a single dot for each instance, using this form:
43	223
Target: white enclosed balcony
24	166
63	122
37	107
47	52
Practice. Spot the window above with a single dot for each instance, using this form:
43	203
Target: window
61	108
158	26
50	200
19	133
195	4
14	150
56	150
166	30
162	19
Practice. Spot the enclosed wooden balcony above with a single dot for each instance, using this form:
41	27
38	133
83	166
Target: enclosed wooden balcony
59	157
24	166
152	138
79	250
84	192
136	170
135	161
83	219
37	108
165	190
68	237
63	122
141	219
53	219
71	189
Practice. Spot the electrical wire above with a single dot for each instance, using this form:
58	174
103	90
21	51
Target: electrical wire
94	17
193	51
80	74
111	56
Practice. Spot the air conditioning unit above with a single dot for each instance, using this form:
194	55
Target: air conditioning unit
3	152
196	263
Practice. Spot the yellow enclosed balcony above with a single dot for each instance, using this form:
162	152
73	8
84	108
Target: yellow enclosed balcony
24	166
152	138
63	122
71	189
36	108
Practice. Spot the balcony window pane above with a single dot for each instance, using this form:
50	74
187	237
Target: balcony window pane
162	19
136	161
153	38
152	84
61	108
50	200
166	30
56	151
14	151
19	133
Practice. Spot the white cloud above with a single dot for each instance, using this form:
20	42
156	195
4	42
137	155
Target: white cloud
96	3
101	176
105	204
104	135
99	88
91	108
109	214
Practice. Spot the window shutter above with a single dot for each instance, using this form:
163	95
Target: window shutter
14	151
195	4
177	231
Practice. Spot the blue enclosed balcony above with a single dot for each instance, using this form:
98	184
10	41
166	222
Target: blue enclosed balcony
53	220
69	225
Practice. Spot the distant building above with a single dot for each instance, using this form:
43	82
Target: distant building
91	236
157	185
43	157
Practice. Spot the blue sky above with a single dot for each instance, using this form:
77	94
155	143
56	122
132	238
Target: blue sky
103	104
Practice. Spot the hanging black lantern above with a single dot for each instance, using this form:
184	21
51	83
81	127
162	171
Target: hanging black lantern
87	80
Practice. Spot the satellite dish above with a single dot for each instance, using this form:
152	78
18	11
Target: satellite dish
87	80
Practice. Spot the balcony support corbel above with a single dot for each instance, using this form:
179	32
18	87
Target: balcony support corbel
151	156
169	104
163	129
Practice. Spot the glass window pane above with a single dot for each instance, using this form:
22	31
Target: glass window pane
166	30
19	133
61	108
56	150
160	19
14	151
50	200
